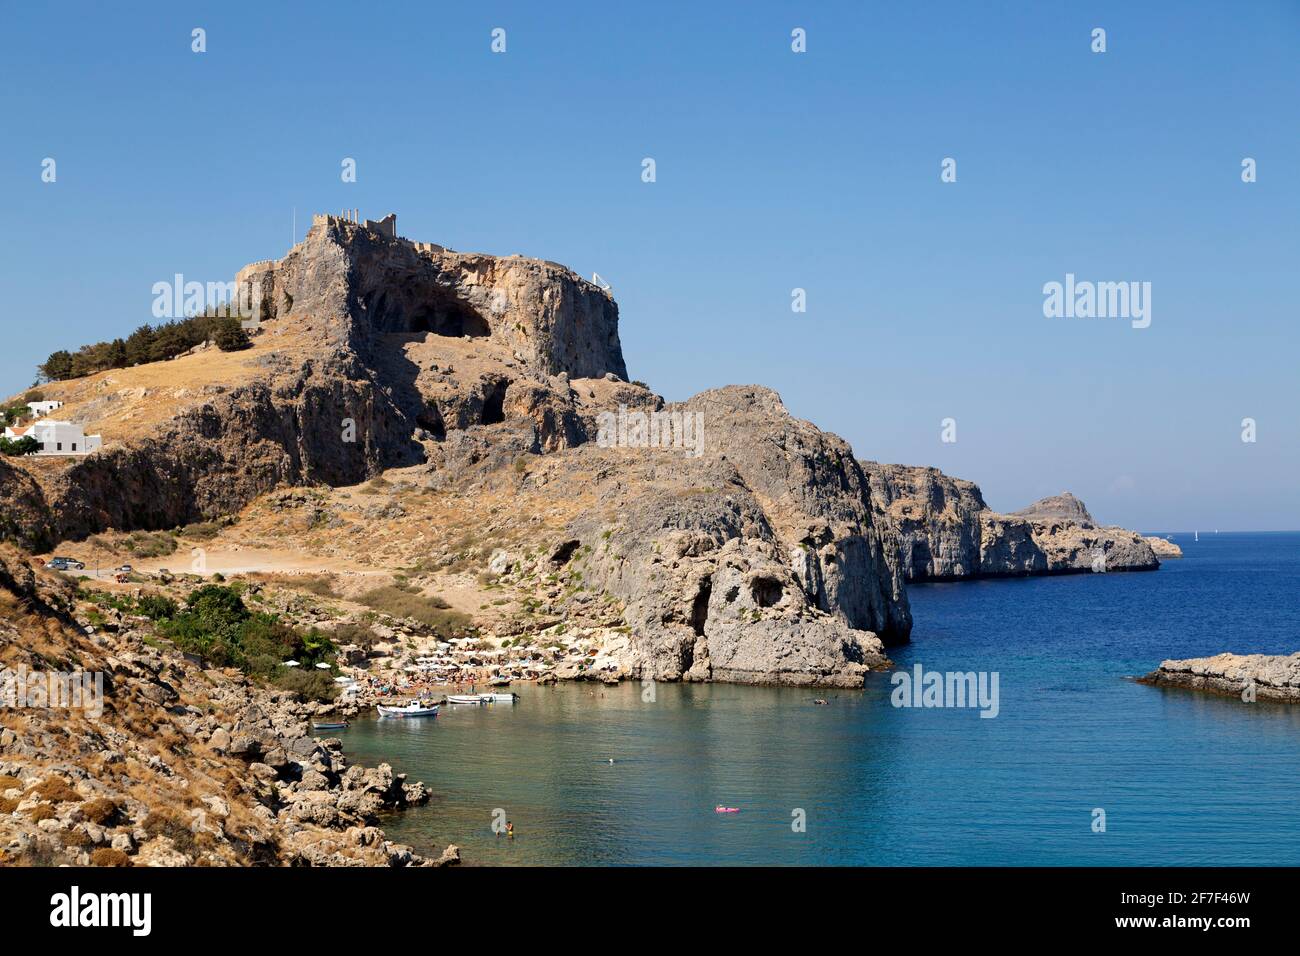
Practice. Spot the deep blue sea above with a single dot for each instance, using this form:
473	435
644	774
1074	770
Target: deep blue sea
1183	778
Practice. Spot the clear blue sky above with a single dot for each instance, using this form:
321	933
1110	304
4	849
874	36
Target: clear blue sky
775	170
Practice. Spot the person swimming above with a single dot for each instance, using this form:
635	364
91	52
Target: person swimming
510	829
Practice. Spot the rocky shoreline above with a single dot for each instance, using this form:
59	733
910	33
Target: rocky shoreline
1274	677
171	764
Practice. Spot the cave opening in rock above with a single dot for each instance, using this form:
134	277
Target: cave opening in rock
494	402
767	591
430	419
700	606
564	551
430	309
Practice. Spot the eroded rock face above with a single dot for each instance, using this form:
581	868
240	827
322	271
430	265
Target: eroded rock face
936	519
24	514
945	531
1163	547
556	321
410	354
406	343
1262	676
755	562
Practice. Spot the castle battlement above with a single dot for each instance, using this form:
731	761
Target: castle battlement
352	217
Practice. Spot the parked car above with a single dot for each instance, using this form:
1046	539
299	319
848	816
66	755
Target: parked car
57	564
75	565
124	569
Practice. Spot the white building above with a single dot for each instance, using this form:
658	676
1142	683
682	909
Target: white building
58	438
41	409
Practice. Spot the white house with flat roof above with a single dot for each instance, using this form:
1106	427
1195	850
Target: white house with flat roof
57	438
41	409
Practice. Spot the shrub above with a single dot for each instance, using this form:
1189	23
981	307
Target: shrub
307	685
100	811
321	585
157	607
106	856
42	811
218	626
7	805
167	823
432	612
76	838
149	544
54	789
350	633
201	530
10	783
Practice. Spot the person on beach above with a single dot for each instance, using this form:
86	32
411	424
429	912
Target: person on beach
510	829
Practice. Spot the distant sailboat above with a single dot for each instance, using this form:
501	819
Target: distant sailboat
1196	536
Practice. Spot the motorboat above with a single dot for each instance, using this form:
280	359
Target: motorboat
413	709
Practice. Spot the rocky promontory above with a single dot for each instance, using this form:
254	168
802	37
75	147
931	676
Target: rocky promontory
1268	676
1163	547
747	552
944	531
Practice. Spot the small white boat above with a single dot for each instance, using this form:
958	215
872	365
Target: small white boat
465	699
499	698
414	709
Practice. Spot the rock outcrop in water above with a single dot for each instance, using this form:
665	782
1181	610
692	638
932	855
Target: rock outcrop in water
1268	676
1163	547
944	531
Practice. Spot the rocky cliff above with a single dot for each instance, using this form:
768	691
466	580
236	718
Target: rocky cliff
944	531
756	561
370	345
375	353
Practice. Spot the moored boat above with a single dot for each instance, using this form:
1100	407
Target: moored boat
465	699
414	709
499	698
330	725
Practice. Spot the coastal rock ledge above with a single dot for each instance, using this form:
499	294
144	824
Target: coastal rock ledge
1275	676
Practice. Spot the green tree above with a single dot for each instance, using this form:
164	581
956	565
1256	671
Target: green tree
57	367
139	345
17	447
230	336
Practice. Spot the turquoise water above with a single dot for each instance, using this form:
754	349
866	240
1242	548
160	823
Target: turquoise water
1183	778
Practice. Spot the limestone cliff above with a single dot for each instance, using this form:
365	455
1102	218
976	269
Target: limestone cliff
756	561
373	353
945	531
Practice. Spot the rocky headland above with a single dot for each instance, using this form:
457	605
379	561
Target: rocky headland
754	557
432	459
944	531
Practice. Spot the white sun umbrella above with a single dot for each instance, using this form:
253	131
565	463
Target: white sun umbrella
322	666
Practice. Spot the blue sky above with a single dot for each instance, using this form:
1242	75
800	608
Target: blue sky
775	170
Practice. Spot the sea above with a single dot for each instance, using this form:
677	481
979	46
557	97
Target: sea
1081	766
